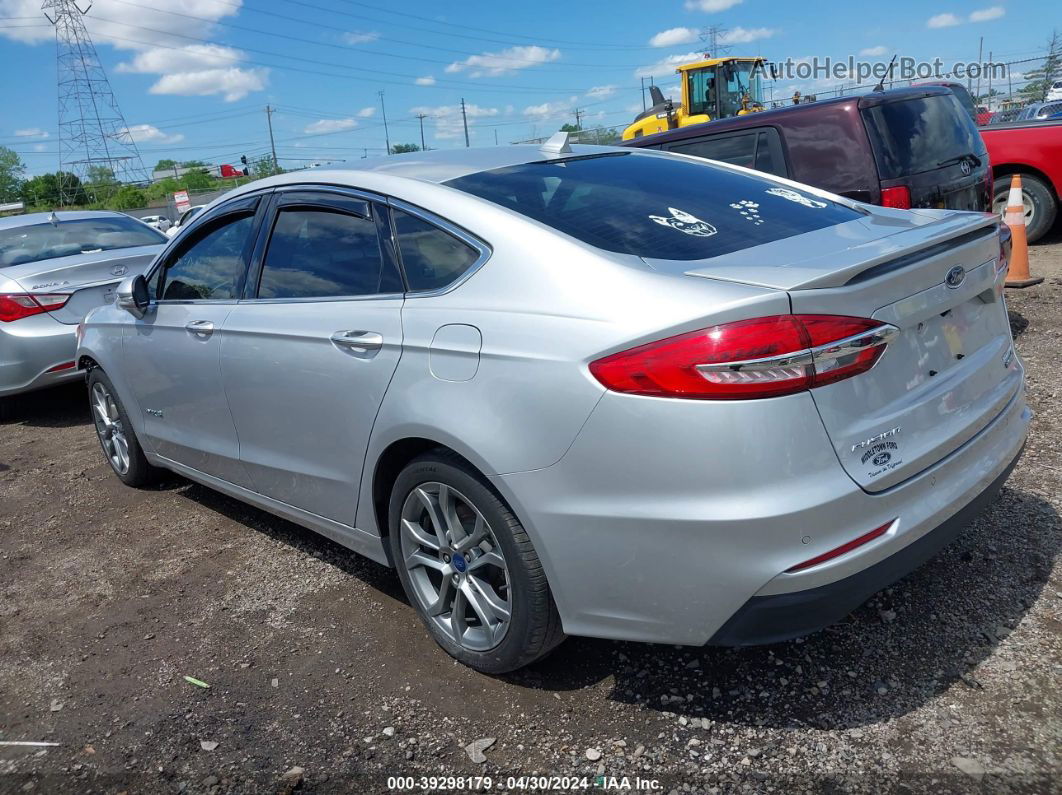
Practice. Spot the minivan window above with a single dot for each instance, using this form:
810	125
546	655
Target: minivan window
36	242
920	134
653	205
320	253
212	268
758	149
431	257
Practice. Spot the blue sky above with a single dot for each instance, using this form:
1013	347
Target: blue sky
193	78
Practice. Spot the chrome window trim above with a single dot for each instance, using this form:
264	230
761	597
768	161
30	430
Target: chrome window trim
327	299
872	338
484	249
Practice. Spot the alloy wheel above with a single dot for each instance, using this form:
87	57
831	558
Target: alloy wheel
457	569
110	428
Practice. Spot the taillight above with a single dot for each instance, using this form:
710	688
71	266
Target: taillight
898	197
15	306
764	357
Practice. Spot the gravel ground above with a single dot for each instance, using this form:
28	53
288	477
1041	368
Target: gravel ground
321	678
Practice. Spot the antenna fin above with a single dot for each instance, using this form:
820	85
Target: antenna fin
557	144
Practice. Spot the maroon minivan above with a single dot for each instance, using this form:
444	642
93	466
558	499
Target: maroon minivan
906	147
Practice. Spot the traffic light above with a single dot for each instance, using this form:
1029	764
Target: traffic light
243	159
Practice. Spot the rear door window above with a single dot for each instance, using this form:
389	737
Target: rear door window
654	205
759	149
323	253
911	136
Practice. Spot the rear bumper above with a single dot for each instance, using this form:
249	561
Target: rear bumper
29	348
780	617
666	519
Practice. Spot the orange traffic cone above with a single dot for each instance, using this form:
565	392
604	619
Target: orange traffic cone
1018	272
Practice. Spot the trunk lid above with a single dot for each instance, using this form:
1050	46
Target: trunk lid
90	278
950	370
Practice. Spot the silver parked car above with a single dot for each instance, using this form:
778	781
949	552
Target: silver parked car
584	390
54	268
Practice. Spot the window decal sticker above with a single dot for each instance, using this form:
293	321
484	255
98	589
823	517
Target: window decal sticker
749	210
684	222
799	198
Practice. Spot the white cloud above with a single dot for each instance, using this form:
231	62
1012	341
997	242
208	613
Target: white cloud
880	49
365	113
142	133
741	35
159	43
667	65
710	6
495	64
39	147
360	36
32	132
673	36
233	83
548	109
942	21
330	126
425	81
986	14
447	118
601	92
192	57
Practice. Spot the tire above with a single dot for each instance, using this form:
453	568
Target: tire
460	564
117	438
1041	207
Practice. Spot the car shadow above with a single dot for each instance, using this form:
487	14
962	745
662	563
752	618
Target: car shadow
908	644
300	538
1018	323
57	407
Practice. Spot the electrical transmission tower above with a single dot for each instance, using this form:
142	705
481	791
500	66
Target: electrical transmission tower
94	141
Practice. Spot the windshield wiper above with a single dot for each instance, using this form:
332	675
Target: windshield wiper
975	161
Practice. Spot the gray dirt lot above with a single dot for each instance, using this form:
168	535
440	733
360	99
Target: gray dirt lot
949	681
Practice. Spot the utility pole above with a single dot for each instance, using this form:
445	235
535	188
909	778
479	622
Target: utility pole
422	117
495	136
989	103
269	120
464	118
980	60
578	119
387	135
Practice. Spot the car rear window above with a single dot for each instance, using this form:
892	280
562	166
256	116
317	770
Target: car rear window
921	134
654	205
38	242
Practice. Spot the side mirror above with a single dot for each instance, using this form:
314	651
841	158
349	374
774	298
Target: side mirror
132	295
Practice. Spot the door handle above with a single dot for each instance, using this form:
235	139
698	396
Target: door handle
200	328
358	341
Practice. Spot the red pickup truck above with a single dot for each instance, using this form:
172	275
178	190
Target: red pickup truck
1034	150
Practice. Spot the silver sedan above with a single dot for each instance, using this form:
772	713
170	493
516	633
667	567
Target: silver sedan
54	268
584	390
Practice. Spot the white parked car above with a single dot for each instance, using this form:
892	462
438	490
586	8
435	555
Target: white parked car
160	222
1055	91
186	216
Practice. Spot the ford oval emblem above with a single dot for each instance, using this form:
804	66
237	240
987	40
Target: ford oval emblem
956	276
965	167
118	270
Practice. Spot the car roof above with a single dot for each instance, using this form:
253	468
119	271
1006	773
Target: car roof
434	166
29	219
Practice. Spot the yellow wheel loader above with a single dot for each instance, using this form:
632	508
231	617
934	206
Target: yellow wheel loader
715	88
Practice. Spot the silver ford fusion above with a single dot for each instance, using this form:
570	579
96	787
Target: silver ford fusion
54	268
577	390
